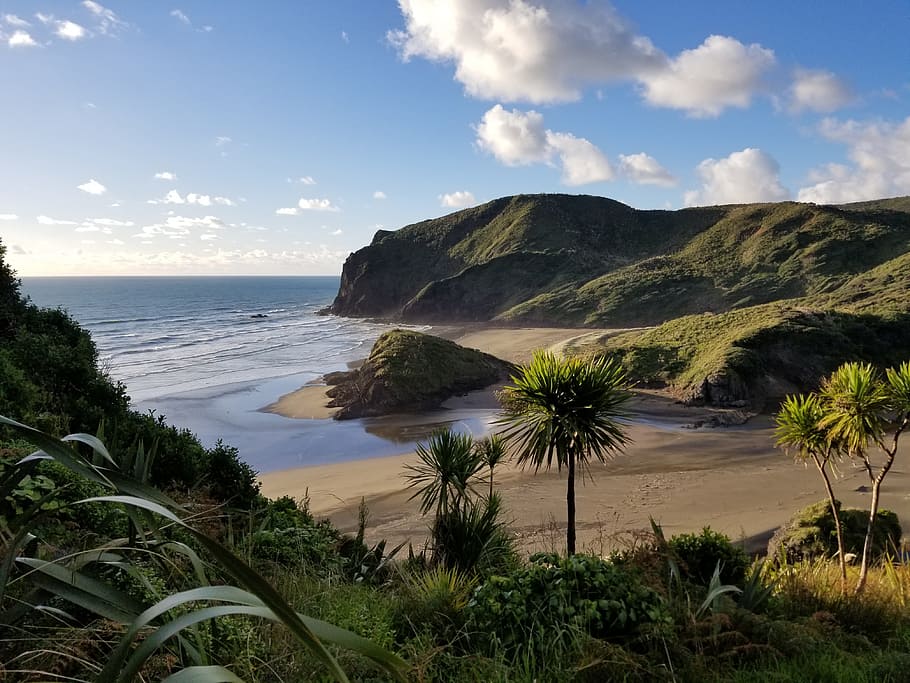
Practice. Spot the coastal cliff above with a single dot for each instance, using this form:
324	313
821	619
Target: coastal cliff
746	302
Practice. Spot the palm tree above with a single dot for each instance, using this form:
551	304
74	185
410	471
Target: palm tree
492	452
564	411
860	408
799	430
444	473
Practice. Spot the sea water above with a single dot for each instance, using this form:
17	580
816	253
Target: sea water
209	353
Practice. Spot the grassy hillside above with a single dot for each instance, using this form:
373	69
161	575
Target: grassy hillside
749	301
408	370
591	261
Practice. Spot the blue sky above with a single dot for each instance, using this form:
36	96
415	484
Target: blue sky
204	137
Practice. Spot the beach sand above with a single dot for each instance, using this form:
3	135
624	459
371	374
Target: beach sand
729	478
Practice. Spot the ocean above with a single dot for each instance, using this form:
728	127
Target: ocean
209	353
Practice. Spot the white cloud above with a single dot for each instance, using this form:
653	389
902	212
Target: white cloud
545	51
174	197
317	205
222	140
880	156
304	180
747	176
582	161
525	50
513	137
8	217
16	21
337	232
457	200
379	194
92	187
21	39
108	21
47	220
70	30
165	175
644	169
44	18
180	226
345	37
288	211
815	90
518	138
115	241
719	73
208	237
181	17
112	222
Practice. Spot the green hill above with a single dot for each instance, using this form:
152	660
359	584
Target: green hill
749	300
409	371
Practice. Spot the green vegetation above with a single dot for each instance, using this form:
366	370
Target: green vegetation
409	370
155	559
859	413
563	412
772	296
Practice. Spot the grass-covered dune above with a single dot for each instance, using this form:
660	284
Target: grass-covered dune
747	356
407	371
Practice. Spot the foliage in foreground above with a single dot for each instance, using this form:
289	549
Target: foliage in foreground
36	580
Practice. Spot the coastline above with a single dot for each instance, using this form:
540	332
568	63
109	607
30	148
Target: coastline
731	478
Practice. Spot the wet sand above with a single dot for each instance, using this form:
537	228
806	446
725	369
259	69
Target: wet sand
731	478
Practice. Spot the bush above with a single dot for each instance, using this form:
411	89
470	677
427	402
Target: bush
314	545
810	533
552	599
699	555
472	538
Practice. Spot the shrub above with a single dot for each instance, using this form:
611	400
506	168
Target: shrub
699	555
810	533
313	545
472	538
554	598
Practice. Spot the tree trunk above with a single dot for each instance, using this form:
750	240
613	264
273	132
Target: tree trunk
867	545
491	483
837	526
570	506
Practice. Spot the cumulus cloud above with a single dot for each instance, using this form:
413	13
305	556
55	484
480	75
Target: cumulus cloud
880	156
719	73
47	220
317	205
513	137
70	30
179	226
174	197
288	211
92	187
8	217
747	176
21	39
165	175
816	90
379	194
180	16
457	200
337	232
525	50
517	138
545	51
644	169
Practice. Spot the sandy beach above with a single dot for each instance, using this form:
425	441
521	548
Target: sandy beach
731	478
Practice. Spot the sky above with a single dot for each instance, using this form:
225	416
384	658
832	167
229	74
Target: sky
274	138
